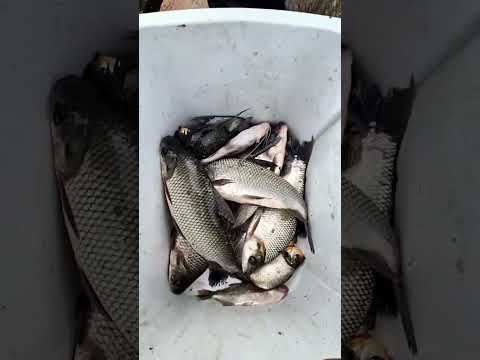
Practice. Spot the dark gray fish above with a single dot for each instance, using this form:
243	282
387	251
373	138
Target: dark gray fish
367	235
358	286
202	217
245	295
96	164
185	265
206	134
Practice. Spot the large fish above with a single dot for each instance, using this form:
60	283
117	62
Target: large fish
185	265
274	155
96	165
275	229
199	212
245	295
244	182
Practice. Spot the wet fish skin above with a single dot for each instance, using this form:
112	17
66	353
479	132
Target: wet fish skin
244	182
241	142
201	215
367	230
367	234
275	155
245	295
358	286
206	134
96	166
278	271
185	265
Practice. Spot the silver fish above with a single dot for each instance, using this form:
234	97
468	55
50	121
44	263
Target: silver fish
274	155
245	295
279	270
244	182
240	142
198	211
185	265
367	235
276	228
96	165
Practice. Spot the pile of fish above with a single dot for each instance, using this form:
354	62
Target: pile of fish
235	189
372	276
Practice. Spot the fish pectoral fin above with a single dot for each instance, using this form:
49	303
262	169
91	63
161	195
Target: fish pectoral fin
222	182
217	275
263	163
223	210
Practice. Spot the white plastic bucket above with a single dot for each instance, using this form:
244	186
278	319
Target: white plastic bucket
283	66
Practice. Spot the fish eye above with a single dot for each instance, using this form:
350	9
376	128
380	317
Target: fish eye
252	260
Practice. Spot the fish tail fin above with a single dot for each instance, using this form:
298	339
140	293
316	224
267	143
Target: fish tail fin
302	150
395	112
404	310
204	294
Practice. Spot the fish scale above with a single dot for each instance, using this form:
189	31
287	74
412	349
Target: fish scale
194	209
196	263
254	179
358	284
104	338
103	198
374	174
277	228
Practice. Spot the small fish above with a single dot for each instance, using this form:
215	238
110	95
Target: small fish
185	266
279	270
245	295
244	182
206	134
199	212
366	348
274	155
241	142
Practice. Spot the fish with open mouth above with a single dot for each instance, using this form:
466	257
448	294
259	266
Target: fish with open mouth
279	270
200	214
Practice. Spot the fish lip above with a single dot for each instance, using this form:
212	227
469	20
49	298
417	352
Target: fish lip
283	289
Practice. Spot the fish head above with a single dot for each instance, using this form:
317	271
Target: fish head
170	151
253	255
294	256
73	107
179	277
366	348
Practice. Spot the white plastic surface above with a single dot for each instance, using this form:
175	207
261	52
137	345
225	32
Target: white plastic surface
283	66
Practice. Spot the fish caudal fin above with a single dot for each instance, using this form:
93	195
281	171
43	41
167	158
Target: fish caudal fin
406	319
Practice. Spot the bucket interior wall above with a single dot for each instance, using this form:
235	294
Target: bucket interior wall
436	213
39	288
282	66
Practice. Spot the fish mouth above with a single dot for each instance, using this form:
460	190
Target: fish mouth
283	289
